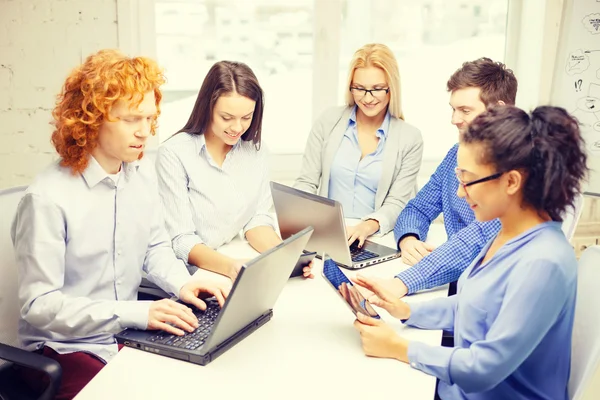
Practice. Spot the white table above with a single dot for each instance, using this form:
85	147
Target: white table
309	350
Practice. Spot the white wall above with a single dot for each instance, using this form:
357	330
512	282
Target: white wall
532	40
40	42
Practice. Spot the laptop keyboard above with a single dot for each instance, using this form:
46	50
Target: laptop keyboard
359	254
195	339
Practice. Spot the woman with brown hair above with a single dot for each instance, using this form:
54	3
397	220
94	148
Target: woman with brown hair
512	316
213	174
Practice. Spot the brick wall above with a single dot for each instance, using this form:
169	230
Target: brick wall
40	42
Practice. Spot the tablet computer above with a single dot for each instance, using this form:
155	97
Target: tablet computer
303	261
346	289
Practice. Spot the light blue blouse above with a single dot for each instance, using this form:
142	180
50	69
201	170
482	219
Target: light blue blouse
353	182
512	319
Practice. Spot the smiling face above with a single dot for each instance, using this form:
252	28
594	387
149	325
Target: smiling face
231	117
123	138
370	78
466	106
490	199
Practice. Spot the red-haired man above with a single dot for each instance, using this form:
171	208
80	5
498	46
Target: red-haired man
90	225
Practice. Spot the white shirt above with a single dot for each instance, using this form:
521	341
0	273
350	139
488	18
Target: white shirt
81	245
207	204
115	177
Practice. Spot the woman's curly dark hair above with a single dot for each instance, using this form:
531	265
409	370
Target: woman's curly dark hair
547	145
87	96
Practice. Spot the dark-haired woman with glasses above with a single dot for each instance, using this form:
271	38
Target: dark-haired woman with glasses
513	314
363	154
213	174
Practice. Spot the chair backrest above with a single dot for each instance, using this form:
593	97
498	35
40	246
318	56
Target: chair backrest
571	217
585	357
9	305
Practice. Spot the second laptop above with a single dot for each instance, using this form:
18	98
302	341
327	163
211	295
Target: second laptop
297	209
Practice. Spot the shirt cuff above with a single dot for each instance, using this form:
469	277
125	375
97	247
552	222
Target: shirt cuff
433	360
183	244
412	278
415	311
176	279
133	314
384	226
401	232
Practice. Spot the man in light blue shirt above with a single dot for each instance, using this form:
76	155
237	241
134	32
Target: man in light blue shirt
91	224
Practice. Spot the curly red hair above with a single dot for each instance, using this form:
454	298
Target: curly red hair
88	95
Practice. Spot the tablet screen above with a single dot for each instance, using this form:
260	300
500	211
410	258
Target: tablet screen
347	291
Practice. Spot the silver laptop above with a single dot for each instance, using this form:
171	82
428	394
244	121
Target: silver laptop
297	209
248	307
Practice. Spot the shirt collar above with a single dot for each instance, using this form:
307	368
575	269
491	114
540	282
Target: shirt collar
352	119
201	144
383	128
94	173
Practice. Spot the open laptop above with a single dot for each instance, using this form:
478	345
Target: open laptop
248	307
297	209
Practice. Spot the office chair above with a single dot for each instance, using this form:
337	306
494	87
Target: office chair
585	354
11	384
150	291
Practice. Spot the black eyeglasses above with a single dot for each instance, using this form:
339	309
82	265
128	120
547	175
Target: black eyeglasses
459	172
377	93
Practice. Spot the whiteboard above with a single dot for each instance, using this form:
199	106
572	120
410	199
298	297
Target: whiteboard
576	84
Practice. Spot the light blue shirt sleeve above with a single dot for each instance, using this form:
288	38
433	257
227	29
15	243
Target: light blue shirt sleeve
534	298
161	264
433	314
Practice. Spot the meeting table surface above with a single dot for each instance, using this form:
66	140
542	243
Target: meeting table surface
308	350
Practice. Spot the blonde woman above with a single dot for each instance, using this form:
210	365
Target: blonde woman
364	154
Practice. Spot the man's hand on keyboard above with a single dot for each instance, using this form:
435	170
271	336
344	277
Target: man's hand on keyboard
169	316
191	291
